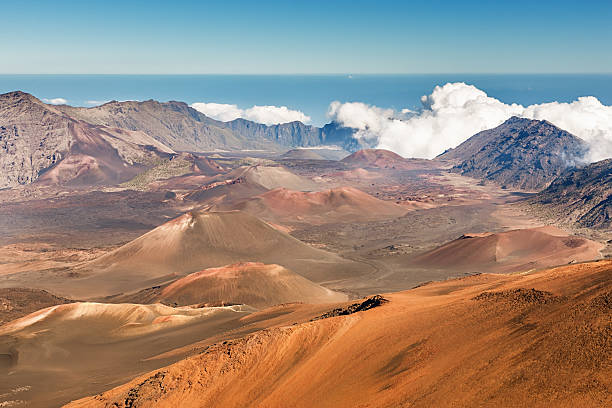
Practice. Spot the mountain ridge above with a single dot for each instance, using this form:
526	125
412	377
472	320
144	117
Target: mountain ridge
582	195
521	153
38	139
167	126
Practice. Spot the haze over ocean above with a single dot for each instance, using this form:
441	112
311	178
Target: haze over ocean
310	94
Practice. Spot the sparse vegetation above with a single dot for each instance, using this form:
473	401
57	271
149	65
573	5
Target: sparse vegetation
162	169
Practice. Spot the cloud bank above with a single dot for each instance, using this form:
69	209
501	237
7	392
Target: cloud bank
268	115
454	112
56	101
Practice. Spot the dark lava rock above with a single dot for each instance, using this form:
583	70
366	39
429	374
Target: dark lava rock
583	195
520	153
369	303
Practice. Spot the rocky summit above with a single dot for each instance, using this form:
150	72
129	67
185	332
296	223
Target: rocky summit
519	153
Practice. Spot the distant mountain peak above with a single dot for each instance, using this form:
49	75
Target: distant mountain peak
20	96
521	152
521	120
17	94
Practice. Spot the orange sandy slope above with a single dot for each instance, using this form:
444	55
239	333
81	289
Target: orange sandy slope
537	340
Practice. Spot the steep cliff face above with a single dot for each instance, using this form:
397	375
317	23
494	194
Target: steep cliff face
334	134
40	142
297	134
581	195
33	137
285	134
521	153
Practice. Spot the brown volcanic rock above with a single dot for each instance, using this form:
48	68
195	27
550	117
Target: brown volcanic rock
251	283
520	152
174	124
39	141
343	204
516	250
33	137
581	195
536	340
385	159
96	156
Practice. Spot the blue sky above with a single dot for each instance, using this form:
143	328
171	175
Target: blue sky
266	37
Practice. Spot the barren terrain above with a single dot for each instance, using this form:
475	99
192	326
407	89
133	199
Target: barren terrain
539	340
252	264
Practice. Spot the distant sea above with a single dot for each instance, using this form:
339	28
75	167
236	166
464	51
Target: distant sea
310	94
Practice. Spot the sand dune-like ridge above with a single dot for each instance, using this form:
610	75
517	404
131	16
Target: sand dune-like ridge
113	320
540	340
248	181
199	240
252	283
385	159
508	251
333	205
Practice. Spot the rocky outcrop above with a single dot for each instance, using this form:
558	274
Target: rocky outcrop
367	304
38	141
582	195
520	153
32	137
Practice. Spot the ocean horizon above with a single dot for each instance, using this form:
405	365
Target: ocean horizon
310	94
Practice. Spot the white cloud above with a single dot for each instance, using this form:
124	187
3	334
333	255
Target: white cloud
454	112
275	114
96	103
586	118
56	101
268	115
371	121
219	111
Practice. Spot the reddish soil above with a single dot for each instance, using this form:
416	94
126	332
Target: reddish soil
535	340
